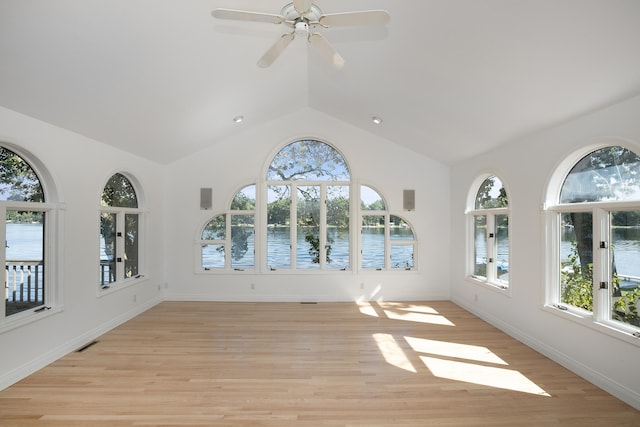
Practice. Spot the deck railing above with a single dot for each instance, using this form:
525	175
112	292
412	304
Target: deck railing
24	284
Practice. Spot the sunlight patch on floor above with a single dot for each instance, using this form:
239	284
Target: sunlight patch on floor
451	349
483	375
392	353
434	319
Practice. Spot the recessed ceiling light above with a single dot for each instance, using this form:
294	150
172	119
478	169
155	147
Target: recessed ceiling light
377	120
238	119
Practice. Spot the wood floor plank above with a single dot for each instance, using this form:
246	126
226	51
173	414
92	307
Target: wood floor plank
327	364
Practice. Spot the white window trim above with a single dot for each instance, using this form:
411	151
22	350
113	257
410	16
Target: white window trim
142	252
54	220
491	281
598	319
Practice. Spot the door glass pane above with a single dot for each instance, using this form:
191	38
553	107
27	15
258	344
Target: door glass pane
373	241
278	226
308	227
242	241
24	260
625	266
108	223
502	247
576	257
337	245
131	240
480	246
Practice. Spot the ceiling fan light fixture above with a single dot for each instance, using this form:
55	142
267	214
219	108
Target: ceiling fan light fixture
376	120
238	119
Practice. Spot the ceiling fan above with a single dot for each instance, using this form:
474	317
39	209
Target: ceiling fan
303	17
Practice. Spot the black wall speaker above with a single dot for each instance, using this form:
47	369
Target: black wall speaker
408	200
206	198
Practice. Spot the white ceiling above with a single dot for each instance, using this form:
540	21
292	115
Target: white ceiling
451	78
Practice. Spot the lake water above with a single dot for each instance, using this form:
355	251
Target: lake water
279	250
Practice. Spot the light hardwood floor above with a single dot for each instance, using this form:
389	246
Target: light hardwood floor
326	364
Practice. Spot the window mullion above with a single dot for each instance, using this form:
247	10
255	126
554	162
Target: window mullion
3	257
602	274
491	248
293	229
322	229
120	246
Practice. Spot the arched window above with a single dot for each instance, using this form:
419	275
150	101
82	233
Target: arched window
387	241
228	240
595	235
308	193
120	227
27	220
488	260
305	207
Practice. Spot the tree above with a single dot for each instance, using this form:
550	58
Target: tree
308	160
610	173
18	181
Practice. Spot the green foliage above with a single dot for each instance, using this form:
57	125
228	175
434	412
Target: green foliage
308	160
18	181
119	192
577	290
576	283
378	205
243	202
625	307
486	200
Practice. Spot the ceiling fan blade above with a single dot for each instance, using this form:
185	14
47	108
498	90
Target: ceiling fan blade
326	50
351	19
242	15
302	6
274	51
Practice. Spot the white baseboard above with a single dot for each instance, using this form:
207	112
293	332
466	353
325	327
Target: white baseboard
34	365
614	388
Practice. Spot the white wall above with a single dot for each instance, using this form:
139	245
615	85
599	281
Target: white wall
525	166
80	168
243	158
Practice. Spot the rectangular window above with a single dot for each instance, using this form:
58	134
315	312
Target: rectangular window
402	257
131	243
108	224
337	243
625	266
309	244
480	246
212	256
373	238
576	258
242	241
24	260
278	226
502	247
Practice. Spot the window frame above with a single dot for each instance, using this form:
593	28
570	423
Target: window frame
261	226
600	318
52	245
491	279
121	281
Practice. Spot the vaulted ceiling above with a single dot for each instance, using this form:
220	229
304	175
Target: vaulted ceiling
450	78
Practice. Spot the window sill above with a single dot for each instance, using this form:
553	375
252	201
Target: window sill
21	319
118	286
500	288
586	319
